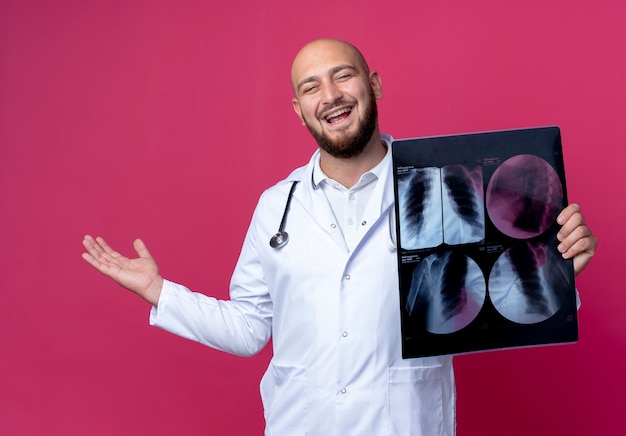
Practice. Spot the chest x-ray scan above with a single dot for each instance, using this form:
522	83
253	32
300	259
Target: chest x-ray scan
477	259
440	205
447	290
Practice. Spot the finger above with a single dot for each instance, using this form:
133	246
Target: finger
100	255
105	246
141	249
569	240
92	246
577	245
88	242
567	213
95	263
570	226
91	260
95	249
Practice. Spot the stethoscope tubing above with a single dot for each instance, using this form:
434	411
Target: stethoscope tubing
281	238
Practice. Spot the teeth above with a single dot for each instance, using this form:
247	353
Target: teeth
337	113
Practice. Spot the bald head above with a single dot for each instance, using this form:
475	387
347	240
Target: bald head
320	52
335	97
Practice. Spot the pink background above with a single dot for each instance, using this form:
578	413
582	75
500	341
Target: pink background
166	119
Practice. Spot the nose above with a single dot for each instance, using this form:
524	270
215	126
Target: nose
330	93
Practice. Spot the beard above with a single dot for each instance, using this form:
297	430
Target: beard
347	145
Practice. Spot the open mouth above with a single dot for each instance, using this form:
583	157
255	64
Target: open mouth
338	115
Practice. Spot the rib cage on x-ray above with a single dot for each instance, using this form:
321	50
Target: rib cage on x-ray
419	202
448	289
527	282
463	205
431	215
478	264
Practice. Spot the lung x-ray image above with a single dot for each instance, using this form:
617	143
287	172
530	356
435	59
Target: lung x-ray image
448	290
476	242
440	205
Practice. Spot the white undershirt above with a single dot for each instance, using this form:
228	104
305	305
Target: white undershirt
348	205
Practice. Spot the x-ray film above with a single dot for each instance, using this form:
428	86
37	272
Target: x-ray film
476	239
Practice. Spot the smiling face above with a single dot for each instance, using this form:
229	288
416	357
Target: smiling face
335	96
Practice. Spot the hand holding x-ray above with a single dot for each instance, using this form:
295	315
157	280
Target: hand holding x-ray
576	239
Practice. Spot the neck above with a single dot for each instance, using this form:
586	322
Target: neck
348	171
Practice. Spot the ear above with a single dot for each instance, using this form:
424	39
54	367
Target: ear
296	108
377	84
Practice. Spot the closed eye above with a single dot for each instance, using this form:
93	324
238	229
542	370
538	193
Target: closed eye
309	89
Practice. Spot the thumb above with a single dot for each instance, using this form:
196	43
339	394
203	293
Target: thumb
141	248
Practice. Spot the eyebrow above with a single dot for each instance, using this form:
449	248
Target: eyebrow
331	72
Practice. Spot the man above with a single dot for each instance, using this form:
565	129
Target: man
329	297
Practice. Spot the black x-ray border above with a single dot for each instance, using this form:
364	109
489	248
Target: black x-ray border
489	330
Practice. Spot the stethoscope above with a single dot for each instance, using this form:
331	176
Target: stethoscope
280	239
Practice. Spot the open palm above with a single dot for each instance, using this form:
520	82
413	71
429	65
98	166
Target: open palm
140	275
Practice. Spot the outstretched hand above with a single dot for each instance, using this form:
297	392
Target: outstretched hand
576	239
140	275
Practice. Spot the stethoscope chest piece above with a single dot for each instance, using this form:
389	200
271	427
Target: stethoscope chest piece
279	240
